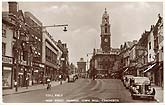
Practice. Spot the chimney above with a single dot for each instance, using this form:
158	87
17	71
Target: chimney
13	7
152	27
135	41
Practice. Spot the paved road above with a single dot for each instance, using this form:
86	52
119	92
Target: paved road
82	90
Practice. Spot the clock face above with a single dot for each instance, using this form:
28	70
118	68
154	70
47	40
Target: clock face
106	40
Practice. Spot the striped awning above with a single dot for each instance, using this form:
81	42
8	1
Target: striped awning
125	69
149	68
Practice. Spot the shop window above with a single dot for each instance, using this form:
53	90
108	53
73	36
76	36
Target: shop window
14	34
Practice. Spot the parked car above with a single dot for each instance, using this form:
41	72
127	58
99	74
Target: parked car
76	76
141	88
126	80
71	78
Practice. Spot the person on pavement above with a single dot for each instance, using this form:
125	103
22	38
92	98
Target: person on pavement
60	77
49	84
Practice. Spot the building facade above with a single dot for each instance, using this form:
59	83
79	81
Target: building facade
81	68
142	58
158	49
26	43
125	58
64	60
51	55
105	61
7	49
19	35
34	27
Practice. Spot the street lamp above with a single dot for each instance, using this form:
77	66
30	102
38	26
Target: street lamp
59	25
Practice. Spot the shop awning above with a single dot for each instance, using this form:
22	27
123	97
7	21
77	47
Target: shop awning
125	70
150	67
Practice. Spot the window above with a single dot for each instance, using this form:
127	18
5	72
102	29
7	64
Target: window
3	48
150	56
105	29
14	34
3	32
149	45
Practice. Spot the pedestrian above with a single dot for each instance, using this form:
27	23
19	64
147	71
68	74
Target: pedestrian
49	84
27	82
60	77
153	91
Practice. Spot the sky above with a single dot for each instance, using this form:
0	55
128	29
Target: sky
128	21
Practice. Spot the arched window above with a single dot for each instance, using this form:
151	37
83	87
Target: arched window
106	29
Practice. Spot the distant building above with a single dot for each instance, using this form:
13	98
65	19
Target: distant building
64	59
125	58
72	69
81	67
105	61
142	58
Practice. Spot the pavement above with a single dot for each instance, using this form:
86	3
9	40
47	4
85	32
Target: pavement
30	88
159	93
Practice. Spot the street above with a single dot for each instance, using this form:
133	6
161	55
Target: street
82	90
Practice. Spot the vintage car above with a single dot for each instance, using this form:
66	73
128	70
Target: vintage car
71	78
126	80
140	87
75	76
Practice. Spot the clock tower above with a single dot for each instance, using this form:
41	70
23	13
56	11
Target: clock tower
105	33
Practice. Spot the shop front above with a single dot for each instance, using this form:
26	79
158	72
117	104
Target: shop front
151	72
7	72
51	73
37	73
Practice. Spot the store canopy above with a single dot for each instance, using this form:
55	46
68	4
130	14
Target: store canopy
125	70
150	67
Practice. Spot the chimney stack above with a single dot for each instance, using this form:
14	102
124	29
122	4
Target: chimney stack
135	41
13	7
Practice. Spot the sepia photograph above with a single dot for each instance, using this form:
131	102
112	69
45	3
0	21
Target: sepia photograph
82	52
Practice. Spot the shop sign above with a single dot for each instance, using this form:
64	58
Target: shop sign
8	60
36	71
38	64
7	68
41	65
20	73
